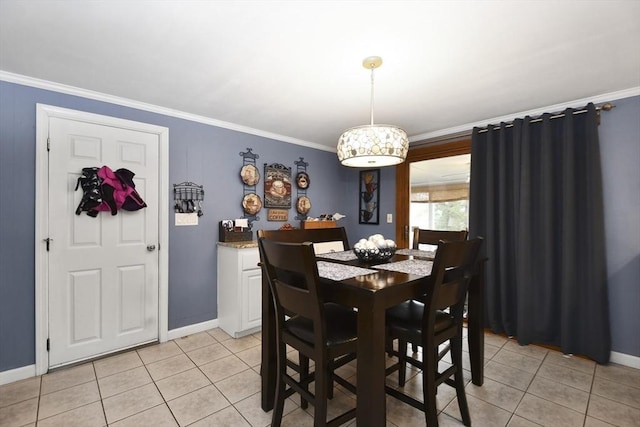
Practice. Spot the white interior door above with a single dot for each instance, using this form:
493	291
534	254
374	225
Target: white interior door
103	272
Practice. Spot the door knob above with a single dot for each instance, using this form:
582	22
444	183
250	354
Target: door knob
151	248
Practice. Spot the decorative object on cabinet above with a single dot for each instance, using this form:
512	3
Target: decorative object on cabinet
303	204
239	289
327	223
277	186
188	197
229	231
369	196
250	176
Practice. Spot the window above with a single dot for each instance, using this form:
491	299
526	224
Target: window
439	196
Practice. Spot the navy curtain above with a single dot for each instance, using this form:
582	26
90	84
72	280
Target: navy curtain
536	197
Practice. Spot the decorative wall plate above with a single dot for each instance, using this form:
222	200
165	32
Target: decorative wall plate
302	180
250	175
304	205
251	203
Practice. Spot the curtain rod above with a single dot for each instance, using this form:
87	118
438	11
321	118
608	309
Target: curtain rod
607	106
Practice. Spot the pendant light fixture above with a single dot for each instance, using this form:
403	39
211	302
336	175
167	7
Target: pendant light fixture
372	145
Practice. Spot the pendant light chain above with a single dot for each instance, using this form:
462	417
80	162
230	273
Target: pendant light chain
372	71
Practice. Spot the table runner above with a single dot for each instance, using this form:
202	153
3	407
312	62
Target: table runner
339	256
337	272
419	267
417	252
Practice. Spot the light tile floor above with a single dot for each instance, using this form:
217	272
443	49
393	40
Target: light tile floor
210	379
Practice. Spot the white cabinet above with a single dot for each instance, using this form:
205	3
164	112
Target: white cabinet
239	288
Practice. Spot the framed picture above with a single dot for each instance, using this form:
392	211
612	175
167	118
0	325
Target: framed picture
369	196
277	186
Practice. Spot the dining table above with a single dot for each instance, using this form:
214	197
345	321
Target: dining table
371	287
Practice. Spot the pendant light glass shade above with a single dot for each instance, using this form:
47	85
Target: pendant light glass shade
372	145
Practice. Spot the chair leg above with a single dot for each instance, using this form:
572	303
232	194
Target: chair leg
320	409
304	373
278	407
429	388
456	358
330	380
402	362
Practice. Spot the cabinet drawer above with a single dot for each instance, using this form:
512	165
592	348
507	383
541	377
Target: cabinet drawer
250	260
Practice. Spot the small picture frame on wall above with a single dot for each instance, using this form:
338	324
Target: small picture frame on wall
369	196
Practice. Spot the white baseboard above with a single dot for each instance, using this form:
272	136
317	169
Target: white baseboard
192	329
17	374
29	371
625	359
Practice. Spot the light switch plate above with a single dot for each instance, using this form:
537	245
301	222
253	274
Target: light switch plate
186	219
389	218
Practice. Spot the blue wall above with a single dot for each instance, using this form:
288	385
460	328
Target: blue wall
209	155
201	153
620	151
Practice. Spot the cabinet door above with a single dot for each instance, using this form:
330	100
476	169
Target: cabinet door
251	298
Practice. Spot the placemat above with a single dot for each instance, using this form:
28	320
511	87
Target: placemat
418	267
337	272
339	256
417	252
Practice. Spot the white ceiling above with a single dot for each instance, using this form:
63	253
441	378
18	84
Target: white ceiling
293	68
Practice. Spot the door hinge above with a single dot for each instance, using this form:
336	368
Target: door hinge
48	344
48	144
47	241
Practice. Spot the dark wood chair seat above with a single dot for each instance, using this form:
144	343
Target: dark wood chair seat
406	318
341	326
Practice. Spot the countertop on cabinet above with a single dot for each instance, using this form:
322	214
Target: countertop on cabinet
240	244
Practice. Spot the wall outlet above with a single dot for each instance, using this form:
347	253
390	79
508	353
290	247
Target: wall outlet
389	218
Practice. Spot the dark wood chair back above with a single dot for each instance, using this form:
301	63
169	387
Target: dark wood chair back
433	237
292	274
451	273
314	235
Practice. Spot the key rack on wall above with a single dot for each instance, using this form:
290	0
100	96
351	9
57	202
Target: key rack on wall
188	197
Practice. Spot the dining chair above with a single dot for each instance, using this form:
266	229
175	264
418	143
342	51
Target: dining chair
432	237
324	240
423	236
323	332
436	321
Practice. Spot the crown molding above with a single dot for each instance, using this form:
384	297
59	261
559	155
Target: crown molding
125	102
466	129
